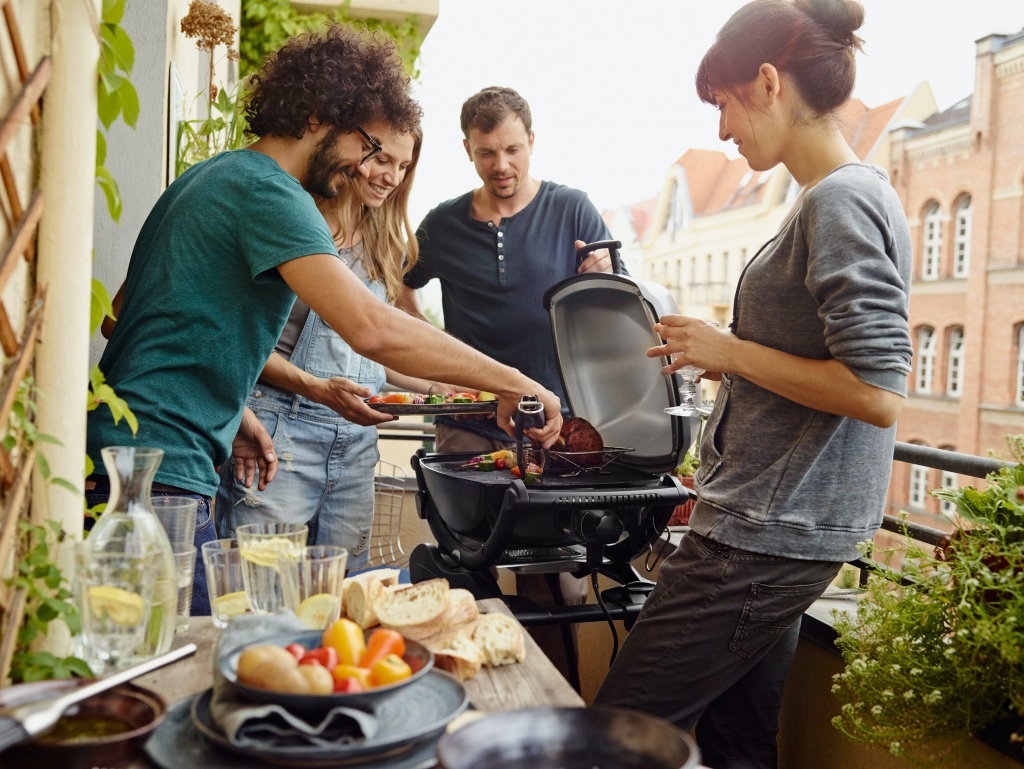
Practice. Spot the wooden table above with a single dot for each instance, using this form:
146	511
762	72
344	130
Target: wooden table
532	683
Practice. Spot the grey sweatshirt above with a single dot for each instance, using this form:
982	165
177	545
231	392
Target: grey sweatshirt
780	478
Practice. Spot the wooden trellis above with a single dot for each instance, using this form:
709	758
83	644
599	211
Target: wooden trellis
15	464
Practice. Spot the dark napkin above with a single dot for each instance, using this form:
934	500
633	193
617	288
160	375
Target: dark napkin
255	724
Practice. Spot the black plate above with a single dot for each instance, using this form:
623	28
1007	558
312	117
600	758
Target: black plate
419	656
438	409
412	715
178	744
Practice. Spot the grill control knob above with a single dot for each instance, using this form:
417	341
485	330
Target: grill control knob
597	526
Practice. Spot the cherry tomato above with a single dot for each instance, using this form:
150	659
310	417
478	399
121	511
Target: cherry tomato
500	464
346	637
375	399
517	472
296	650
323	655
343	672
389	670
348	686
381	643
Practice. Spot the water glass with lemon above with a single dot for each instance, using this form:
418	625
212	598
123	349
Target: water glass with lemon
114	593
223	563
311	581
260	545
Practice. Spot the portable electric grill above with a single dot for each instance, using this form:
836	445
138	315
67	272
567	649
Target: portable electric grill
579	520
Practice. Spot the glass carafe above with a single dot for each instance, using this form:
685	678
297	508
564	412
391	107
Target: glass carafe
130	524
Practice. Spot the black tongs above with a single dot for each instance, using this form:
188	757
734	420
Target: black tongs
529	414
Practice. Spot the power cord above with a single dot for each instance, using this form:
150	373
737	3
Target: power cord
607	615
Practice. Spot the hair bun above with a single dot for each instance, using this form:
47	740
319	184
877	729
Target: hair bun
842	17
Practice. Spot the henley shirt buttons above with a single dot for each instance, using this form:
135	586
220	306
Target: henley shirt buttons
501	257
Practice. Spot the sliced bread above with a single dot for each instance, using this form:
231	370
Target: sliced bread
358	594
414	608
456	653
500	638
461	609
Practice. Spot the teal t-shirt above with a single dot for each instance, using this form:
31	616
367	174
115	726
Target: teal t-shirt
203	307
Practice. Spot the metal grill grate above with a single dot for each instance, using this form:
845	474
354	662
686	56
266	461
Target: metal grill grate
388	498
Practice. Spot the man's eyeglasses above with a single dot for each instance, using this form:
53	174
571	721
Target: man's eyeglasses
375	148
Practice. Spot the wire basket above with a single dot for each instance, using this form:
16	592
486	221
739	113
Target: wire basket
388	500
567	464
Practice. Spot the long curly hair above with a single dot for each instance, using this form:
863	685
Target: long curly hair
390	248
342	75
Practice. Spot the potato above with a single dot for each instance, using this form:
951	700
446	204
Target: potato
271	667
318	678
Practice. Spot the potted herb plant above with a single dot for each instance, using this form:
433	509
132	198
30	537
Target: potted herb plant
935	652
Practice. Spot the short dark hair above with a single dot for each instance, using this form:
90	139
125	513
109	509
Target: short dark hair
484	110
343	76
812	41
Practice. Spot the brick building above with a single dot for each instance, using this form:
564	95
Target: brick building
960	176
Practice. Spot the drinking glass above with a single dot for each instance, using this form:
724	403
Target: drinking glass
185	571
260	545
178	516
690	403
311	581
223	562
114	593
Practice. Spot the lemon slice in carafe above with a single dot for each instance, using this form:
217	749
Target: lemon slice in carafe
319	610
264	552
122	606
231	604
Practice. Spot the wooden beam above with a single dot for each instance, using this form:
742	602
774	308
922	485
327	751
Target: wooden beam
8	339
24	232
20	364
29	95
12	623
19	50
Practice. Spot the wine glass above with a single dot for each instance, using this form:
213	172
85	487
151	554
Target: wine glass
690	403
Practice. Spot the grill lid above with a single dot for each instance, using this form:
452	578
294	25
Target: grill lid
602	326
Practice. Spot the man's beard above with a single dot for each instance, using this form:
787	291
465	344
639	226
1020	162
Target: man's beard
324	165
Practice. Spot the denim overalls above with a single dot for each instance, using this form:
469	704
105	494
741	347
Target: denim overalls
326	464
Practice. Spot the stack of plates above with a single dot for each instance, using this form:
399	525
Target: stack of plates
410	721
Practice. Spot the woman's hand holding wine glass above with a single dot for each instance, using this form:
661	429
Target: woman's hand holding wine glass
679	333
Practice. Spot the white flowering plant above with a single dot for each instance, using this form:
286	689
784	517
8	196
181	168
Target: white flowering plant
935	650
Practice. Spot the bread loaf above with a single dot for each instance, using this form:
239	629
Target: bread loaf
413	610
500	638
360	591
456	653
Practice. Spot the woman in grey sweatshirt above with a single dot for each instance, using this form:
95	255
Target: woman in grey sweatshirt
797	451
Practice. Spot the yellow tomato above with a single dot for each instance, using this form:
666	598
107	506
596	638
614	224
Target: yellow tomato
346	637
389	670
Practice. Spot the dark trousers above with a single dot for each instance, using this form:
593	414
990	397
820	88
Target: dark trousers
713	646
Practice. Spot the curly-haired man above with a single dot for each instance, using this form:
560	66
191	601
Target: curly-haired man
221	257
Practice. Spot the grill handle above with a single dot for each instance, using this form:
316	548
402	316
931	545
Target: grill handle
613	247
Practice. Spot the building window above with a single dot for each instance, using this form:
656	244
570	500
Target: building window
932	242
1020	365
925	359
918	486
962	238
955	362
948	482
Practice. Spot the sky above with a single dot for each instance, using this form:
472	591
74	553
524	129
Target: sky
610	82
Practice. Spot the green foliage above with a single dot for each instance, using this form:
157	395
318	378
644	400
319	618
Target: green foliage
117	96
688	466
21	431
101	393
267	24
223	129
48	600
937	650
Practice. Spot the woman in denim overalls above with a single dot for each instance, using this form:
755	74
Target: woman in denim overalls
309	396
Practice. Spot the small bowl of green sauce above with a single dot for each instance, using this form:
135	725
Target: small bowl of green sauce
108	729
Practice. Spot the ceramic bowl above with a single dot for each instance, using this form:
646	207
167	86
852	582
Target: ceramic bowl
140	710
419	657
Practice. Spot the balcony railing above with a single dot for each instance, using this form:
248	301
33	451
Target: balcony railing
710	293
